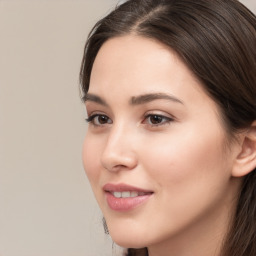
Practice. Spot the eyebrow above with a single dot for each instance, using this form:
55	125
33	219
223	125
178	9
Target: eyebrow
135	100
145	98
94	98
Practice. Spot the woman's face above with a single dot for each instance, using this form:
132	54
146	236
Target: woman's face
155	151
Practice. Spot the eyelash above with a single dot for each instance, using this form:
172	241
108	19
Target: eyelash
91	119
163	120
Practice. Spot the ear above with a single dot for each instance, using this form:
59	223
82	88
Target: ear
245	161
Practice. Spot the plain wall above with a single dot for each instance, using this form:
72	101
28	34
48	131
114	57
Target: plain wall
46	205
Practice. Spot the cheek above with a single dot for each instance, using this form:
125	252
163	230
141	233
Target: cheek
189	173
90	157
184	157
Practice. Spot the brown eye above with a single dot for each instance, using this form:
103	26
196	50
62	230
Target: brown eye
155	119
99	120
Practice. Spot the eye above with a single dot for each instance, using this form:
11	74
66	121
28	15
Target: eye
156	120
99	120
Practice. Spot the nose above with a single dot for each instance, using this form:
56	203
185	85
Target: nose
119	152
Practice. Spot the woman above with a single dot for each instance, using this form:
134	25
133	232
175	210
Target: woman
170	152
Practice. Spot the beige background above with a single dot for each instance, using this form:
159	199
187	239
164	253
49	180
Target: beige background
46	206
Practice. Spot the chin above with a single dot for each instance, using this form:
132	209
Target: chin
129	243
127	239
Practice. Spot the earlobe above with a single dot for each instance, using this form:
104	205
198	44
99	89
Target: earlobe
245	161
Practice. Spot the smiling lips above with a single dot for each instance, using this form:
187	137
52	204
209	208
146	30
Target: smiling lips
122	197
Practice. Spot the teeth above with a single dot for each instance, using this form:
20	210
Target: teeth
126	194
117	194
134	194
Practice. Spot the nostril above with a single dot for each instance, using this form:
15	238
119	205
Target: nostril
115	168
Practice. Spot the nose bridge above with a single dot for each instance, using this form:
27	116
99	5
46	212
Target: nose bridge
119	149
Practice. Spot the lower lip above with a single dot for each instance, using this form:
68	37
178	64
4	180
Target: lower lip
125	204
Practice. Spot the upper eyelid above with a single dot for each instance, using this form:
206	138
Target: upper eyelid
94	115
160	113
148	113
92	109
167	119
95	112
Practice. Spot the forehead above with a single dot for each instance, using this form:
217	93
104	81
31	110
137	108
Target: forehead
131	61
133	47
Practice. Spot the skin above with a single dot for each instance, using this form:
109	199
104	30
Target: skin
182	157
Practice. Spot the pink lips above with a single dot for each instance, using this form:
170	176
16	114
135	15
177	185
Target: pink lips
119	203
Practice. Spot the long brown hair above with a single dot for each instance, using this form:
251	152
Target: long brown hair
216	39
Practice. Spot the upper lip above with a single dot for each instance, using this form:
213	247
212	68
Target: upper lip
121	187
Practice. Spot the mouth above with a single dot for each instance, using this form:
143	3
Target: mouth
122	197
128	194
